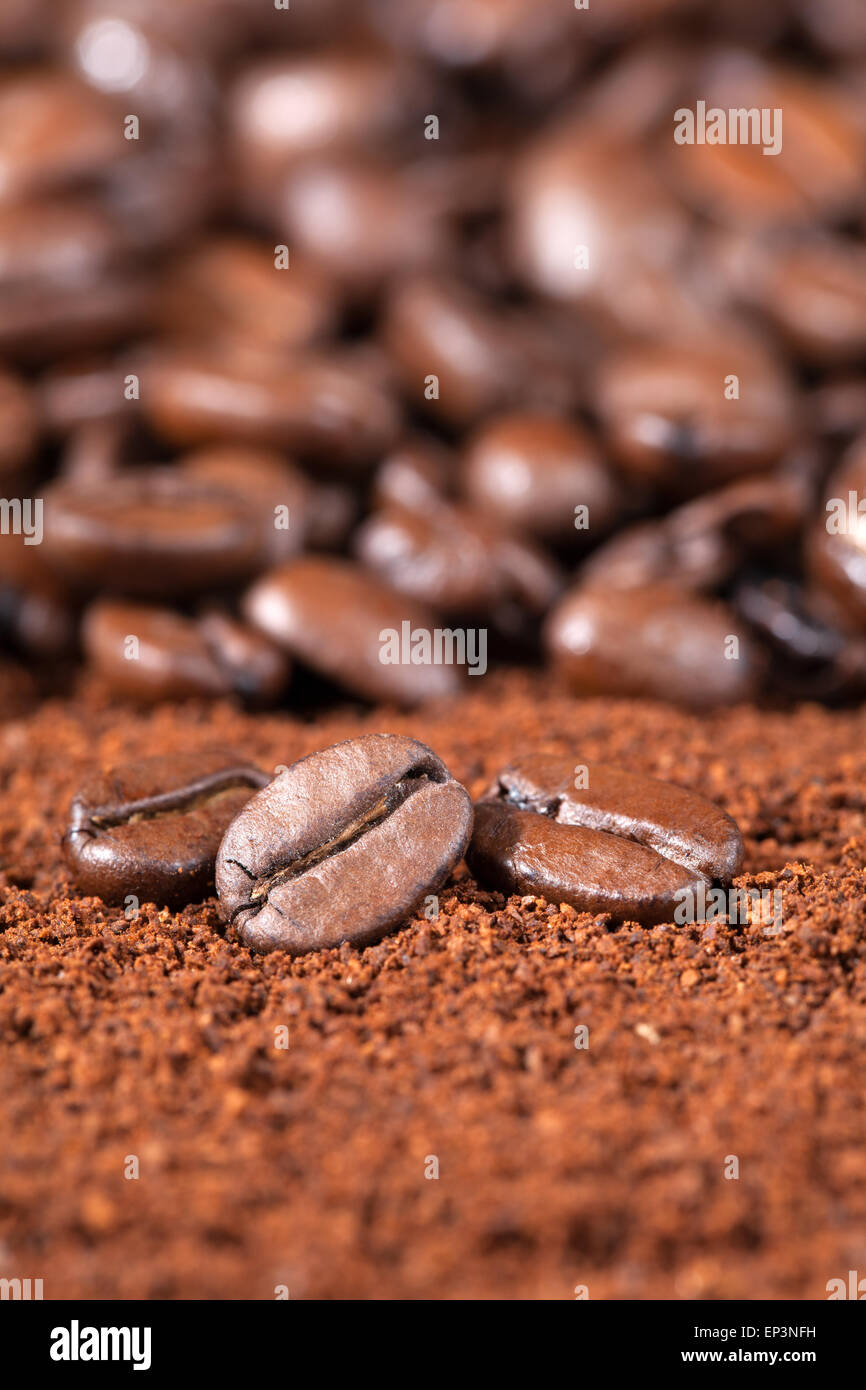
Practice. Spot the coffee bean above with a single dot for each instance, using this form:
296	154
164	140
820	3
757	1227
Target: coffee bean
231	287
813	658
147	653
309	406
264	481
334	617
700	544
18	425
342	846
155	532
151	829
291	106
816	174
479	355
54	131
455	559
531	472
669	421
656	642
580	204
418	474
385	226
624	845
836	544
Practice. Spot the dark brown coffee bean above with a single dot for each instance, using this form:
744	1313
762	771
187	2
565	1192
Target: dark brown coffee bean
836	545
362	222
295	105
459	356
309	406
263	481
231	287
147	653
455	559
349	627
816	169
85	392
623	845
54	131
420	473
150	830
18	425
581	205
151	532
836	409
700	544
532	472
813	659
672	419
342	846
656	642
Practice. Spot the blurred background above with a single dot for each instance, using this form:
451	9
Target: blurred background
435	278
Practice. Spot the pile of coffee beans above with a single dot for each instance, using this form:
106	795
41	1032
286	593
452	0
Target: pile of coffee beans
358	346
345	844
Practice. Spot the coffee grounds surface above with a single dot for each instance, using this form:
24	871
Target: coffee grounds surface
260	1167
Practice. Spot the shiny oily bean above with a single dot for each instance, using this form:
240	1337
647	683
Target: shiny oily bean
232	287
655	642
264	481
18	425
331	615
836	546
455	559
625	845
342	846
151	654
319	407
154	532
669	422
151	829
530	471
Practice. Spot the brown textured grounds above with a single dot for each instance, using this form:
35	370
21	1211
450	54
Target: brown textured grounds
558	1167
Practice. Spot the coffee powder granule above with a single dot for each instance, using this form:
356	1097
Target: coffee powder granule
454	1038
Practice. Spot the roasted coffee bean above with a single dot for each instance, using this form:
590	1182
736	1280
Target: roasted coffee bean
154	532
700	544
813	659
349	627
532	472
148	653
836	546
580	206
671	419
342	846
385	227
455	559
478	355
232	287
817	166
656	642
296	105
419	474
150	830
624	845
837	408
18	425
266	482
309	406
85	392
54	131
